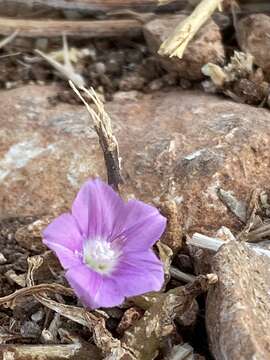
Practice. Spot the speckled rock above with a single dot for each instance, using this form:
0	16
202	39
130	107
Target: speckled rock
253	37
238	307
205	47
187	141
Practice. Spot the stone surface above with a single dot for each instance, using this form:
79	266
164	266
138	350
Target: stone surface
204	48
187	141
253	37
238	306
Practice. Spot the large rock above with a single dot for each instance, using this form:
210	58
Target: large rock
205	47
253	37
238	306
187	141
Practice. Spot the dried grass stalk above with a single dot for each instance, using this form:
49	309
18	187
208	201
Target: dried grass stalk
107	140
177	42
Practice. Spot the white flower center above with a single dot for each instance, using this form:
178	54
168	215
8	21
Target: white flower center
101	255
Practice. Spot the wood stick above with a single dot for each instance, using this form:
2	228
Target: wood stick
210	243
50	352
177	42
79	29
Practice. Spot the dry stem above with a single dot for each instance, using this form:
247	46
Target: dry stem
34	290
8	39
177	42
107	140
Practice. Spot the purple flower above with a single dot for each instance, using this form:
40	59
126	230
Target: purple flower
105	246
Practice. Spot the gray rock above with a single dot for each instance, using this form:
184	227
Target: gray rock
238	306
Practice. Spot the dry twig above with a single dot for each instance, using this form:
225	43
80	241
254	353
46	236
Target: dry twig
34	290
177	42
8	39
107	140
77	29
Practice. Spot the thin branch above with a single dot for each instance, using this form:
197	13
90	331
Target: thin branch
107	140
8	39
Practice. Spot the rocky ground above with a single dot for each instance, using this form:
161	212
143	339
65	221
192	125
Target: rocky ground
193	143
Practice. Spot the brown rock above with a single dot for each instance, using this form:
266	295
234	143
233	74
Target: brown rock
238	307
205	47
253	37
183	142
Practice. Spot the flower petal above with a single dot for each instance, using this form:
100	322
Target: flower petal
96	209
64	231
66	257
85	283
93	289
109	294
64	238
139	273
143	227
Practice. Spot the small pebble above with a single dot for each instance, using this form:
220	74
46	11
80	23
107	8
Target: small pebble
155	85
37	316
185	84
131	95
3	260
100	68
131	82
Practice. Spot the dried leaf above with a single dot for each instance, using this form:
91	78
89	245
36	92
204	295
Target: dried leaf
130	316
157	321
34	290
165	254
93	320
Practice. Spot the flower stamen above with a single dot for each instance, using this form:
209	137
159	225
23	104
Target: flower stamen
101	255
